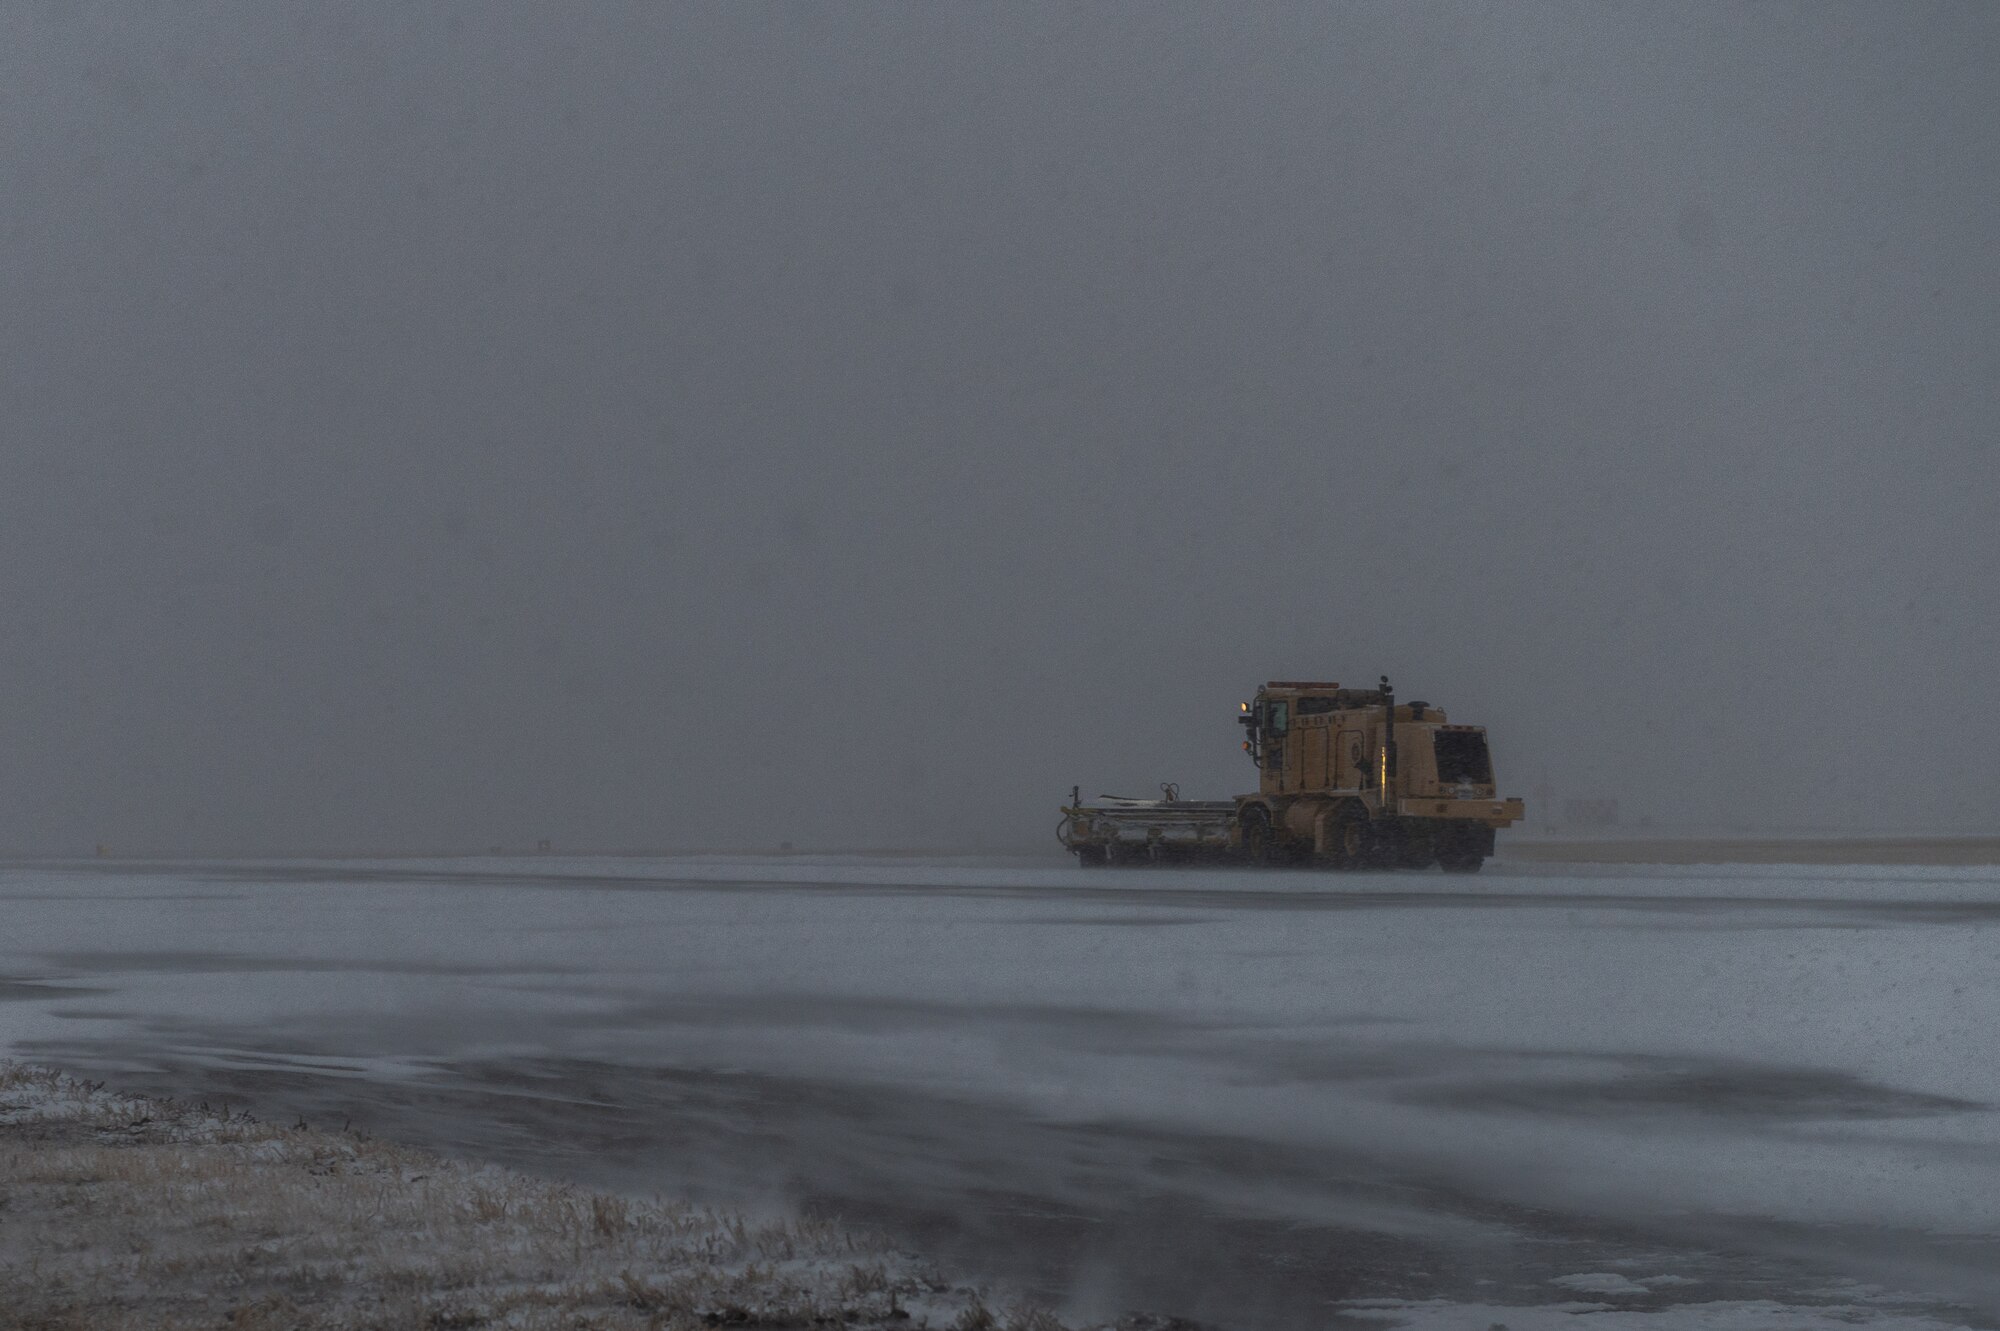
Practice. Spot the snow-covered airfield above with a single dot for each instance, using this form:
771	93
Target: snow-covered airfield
1263	1100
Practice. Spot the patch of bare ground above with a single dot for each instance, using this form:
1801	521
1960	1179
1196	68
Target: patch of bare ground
118	1212
1743	850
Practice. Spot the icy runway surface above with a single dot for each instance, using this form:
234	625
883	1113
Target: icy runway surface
1254	1099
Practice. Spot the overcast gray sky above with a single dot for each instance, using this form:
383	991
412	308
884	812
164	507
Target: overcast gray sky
645	425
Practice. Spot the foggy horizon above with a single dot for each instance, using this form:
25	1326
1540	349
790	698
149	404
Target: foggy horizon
438	427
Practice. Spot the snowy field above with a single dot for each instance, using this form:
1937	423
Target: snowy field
134	1213
1691	1096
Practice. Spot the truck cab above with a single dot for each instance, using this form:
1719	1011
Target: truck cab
1351	776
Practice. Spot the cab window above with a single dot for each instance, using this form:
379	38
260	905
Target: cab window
1461	756
1278	717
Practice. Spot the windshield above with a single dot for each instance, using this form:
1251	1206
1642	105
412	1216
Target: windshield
1461	756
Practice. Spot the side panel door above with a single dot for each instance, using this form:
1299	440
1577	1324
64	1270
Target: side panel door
1350	749
1315	743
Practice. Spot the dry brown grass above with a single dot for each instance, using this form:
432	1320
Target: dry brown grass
117	1213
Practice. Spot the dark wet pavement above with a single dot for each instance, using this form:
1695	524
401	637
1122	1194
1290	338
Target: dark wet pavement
1199	1094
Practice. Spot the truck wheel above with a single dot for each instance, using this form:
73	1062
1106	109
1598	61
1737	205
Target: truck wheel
1463	849
1090	857
1349	840
1258	843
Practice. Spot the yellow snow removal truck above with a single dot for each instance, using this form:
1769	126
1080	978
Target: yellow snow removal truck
1349	779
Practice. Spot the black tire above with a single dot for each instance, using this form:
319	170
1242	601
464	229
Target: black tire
1350	840
1415	850
1260	849
1090	857
1463	849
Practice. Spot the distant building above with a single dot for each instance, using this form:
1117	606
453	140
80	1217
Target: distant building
1545	803
1590	813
